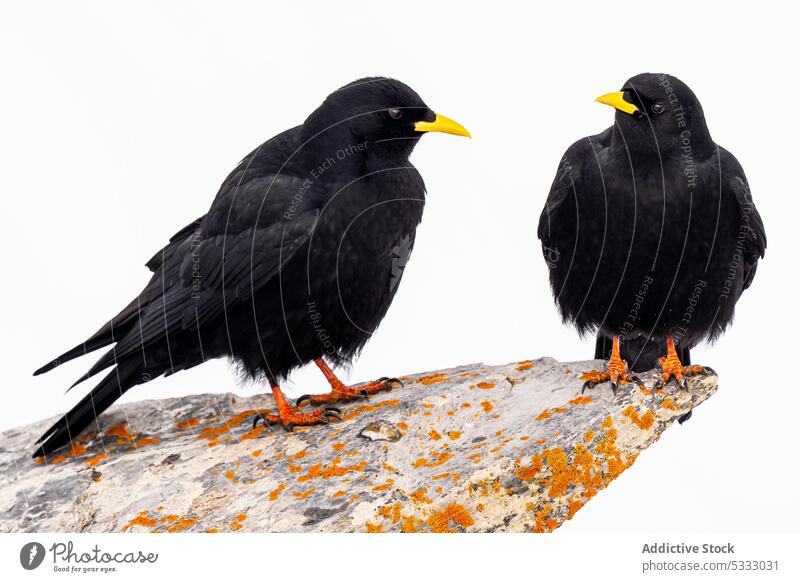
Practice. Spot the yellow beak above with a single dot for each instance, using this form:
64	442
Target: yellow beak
617	101
444	125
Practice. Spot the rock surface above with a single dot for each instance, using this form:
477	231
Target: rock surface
474	448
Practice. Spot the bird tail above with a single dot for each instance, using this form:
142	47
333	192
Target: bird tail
111	332
642	354
124	376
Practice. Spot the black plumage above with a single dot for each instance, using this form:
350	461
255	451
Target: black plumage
295	261
649	229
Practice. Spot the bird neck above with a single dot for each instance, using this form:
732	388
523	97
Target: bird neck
640	143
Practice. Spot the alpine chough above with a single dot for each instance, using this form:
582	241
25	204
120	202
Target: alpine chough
297	260
650	233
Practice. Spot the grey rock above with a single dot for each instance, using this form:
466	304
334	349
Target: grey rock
473	448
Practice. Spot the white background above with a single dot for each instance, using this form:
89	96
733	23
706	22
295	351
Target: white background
118	125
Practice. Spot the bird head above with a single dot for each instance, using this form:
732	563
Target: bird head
377	110
660	106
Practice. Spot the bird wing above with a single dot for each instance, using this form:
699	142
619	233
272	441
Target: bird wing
254	227
751	225
569	173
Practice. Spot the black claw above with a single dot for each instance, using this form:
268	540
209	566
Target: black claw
258	417
638	380
302	399
659	384
364	394
614	386
391	381
587	384
330	414
685	384
333	409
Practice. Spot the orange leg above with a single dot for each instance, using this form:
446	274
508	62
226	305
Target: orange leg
342	393
290	417
672	368
616	373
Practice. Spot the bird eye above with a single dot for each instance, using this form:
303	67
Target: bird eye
658	108
395	113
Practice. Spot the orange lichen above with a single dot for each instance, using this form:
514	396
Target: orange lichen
188	423
230	474
562	474
527	365
385	487
368	408
434	435
410	524
465	405
485	385
433	378
454	434
543	521
76	450
580	400
294	468
94	461
528	473
439	521
253	433
419	496
121	432
374	528
548	412
146	441
402	425
256	453
235	526
669	404
273	495
304	494
181	525
487	406
589	436
574	506
388	467
644	422
142	520
340	493
441	460
212	433
391	512
334	470
608	422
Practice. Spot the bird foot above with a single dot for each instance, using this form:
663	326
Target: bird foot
290	417
617	373
672	368
342	393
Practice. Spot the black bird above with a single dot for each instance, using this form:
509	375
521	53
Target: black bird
650	232
297	260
